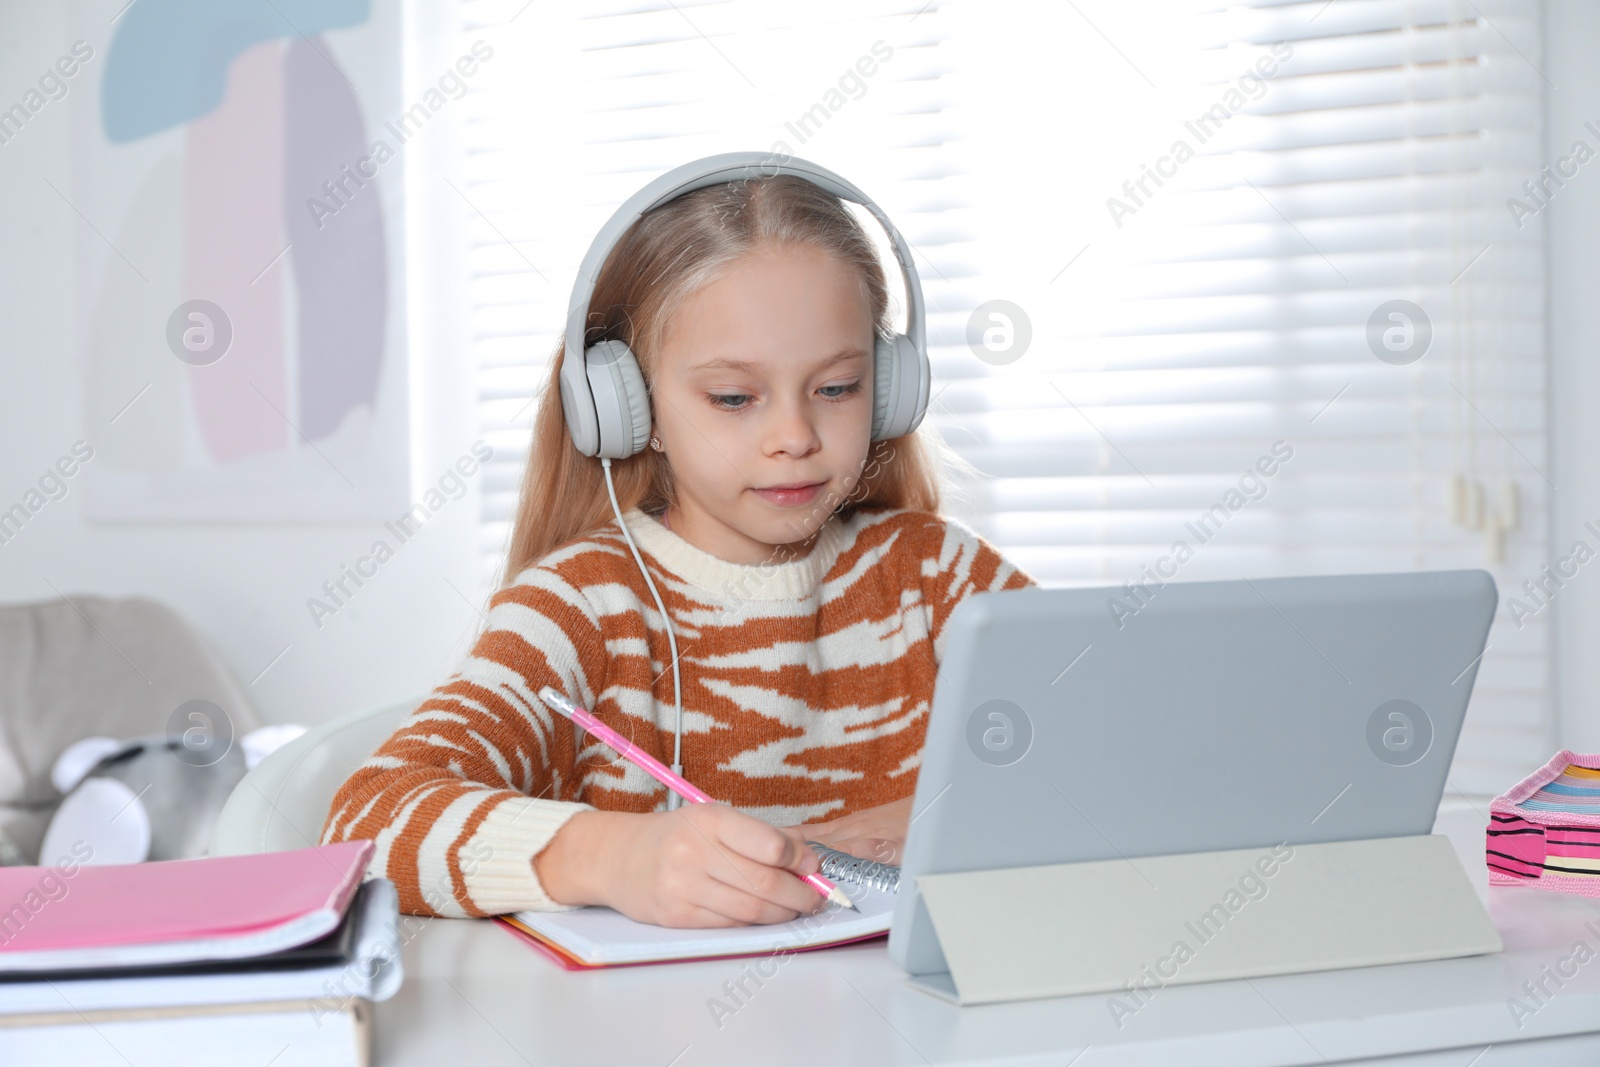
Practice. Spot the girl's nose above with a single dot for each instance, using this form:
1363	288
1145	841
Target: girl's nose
791	430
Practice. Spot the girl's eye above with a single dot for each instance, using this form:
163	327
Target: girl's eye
740	402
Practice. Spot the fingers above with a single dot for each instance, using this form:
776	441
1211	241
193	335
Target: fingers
750	857
879	849
726	868
765	844
886	851
752	892
800	838
777	886
737	906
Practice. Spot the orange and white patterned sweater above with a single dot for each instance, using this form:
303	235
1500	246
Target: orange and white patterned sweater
806	691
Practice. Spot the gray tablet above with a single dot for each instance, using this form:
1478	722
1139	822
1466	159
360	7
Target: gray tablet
1086	724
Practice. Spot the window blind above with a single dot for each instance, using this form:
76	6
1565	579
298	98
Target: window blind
588	102
1172	318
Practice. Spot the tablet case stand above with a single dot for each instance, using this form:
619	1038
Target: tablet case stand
1128	926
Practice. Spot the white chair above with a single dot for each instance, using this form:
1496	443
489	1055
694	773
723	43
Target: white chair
283	802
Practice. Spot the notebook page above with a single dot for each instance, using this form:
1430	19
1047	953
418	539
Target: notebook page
602	935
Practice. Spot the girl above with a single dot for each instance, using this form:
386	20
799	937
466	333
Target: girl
805	569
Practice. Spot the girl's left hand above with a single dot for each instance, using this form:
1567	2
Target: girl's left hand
875	834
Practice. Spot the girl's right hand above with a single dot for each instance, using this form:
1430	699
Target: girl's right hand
703	865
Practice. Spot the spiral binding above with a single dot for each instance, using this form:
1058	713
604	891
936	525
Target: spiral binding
843	867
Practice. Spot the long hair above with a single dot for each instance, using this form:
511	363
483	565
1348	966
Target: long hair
670	253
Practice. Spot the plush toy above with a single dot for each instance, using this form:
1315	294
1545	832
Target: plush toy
154	798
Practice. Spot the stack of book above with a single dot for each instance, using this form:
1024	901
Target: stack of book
270	958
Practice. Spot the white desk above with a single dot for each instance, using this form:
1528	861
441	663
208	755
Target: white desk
475	995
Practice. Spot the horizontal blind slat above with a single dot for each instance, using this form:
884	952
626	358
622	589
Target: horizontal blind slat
1229	311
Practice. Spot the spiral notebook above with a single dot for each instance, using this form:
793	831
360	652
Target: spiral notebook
603	937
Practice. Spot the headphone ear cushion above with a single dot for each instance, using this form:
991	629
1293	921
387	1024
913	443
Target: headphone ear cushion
638	402
621	400
883	385
900	387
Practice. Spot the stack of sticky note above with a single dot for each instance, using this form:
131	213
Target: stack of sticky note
1545	831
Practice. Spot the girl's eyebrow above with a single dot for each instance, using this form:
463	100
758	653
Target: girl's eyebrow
739	364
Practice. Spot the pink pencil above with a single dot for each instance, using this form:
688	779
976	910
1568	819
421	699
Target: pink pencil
664	774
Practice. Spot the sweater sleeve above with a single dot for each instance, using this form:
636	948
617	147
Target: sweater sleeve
480	776
956	564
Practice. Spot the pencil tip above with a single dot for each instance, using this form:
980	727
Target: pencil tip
838	897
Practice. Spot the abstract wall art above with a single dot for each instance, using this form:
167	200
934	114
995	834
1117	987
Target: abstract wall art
241	321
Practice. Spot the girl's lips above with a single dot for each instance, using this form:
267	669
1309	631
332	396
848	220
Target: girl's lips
788	498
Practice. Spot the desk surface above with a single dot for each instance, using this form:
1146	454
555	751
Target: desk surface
474	994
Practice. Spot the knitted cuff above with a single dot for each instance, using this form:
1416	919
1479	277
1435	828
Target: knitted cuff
513	832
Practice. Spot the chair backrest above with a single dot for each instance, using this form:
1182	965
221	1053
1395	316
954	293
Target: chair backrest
283	802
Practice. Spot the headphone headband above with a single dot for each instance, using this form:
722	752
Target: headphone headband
714	170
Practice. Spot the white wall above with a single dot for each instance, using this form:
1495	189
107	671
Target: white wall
1572	33
244	586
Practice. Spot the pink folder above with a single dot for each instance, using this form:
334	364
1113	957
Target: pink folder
68	916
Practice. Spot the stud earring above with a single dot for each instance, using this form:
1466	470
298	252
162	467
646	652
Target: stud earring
655	443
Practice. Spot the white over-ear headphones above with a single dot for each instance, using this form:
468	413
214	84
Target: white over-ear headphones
603	393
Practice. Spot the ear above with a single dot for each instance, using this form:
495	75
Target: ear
104	814
78	759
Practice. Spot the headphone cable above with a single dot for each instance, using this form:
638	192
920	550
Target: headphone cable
674	801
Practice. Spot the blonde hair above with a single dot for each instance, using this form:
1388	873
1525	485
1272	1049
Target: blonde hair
669	254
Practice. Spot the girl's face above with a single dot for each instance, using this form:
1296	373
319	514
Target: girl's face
764	379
